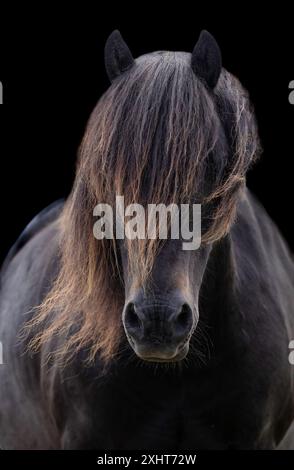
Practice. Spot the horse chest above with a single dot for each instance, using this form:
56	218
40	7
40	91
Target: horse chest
157	412
137	409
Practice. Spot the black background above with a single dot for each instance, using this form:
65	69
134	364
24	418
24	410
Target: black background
52	70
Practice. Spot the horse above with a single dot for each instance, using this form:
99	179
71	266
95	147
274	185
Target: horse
139	344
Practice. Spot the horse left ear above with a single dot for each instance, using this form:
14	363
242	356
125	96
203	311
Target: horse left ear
117	56
206	59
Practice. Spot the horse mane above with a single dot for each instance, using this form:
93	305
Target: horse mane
157	135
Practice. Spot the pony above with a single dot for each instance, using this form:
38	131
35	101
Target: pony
139	344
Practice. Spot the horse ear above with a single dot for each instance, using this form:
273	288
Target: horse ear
206	59
117	56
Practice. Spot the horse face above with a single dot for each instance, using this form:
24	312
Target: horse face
160	316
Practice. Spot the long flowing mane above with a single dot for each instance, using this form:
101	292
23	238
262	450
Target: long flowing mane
157	135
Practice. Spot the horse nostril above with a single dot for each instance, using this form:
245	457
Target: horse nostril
184	318
132	319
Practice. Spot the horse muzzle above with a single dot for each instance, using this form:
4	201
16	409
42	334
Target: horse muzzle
159	331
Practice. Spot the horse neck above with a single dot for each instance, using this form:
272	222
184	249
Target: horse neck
217	303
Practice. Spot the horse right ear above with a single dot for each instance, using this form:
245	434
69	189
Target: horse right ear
117	56
206	59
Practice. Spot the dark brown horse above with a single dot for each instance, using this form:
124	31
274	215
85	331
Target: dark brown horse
86	324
